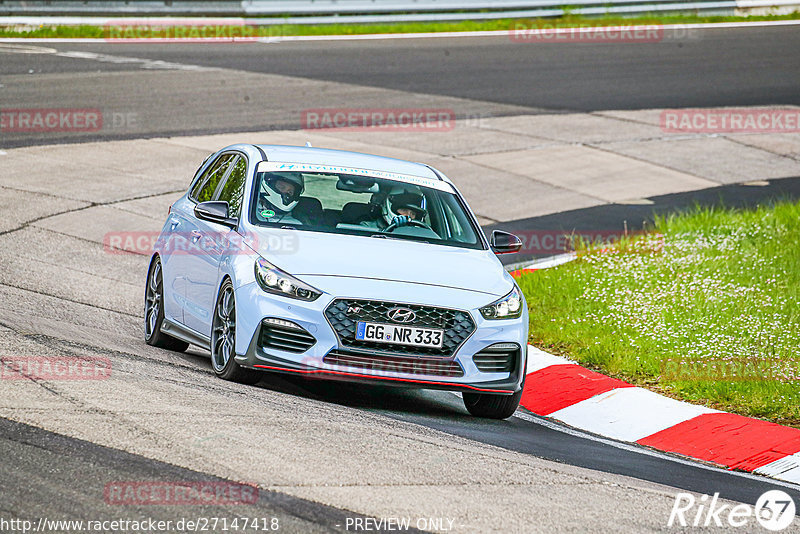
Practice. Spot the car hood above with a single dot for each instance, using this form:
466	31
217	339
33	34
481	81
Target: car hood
321	254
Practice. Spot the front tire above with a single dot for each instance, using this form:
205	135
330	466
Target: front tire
223	340
154	312
492	406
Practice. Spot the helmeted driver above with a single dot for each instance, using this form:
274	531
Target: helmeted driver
278	196
400	208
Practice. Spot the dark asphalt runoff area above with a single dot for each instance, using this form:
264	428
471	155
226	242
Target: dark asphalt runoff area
704	68
708	67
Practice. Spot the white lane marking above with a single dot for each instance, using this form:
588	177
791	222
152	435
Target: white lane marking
22	49
427	35
628	414
787	468
638	449
151	64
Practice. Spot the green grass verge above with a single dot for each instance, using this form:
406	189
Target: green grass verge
89	31
705	309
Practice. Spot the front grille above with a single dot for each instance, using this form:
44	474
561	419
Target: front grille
285	336
497	358
394	364
343	314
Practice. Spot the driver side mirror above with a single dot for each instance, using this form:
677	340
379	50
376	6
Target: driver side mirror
505	243
215	211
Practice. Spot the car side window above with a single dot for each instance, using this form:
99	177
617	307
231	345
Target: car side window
200	168
233	189
207	184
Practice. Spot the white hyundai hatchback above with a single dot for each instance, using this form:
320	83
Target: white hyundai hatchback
338	265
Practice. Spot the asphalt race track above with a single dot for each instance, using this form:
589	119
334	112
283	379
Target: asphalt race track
325	454
476	76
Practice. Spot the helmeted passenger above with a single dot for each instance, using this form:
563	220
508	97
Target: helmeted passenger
278	196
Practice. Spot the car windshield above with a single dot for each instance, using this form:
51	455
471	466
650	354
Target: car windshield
398	206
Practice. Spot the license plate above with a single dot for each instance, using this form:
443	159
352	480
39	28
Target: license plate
400	335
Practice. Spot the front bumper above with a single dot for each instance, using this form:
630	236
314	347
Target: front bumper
403	370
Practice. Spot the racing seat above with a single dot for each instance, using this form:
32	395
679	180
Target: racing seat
356	212
309	211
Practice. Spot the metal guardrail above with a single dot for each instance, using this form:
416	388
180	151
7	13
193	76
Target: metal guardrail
353	11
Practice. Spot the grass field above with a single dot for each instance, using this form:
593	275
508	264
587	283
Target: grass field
284	30
706	308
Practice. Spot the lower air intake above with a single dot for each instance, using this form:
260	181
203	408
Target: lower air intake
285	335
394	364
497	358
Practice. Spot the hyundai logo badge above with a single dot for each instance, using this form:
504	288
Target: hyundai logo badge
401	315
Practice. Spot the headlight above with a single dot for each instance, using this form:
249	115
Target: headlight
273	280
508	307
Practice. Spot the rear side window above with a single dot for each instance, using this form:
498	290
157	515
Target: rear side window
200	168
233	190
204	189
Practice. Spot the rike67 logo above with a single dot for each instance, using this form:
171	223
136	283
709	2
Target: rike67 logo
774	510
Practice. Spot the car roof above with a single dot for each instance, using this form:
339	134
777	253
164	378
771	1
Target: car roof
343	158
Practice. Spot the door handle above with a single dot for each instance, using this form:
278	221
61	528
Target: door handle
195	236
174	223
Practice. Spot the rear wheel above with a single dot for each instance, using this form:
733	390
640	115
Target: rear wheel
223	340
492	406
154	312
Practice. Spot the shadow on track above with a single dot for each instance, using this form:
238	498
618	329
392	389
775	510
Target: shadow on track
351	394
59	477
428	403
617	217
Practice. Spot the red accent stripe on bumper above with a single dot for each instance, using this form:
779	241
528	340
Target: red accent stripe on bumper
373	377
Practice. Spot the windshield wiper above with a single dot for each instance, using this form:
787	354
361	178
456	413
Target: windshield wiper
384	236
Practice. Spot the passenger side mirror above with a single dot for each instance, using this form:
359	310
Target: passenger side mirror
215	211
505	243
